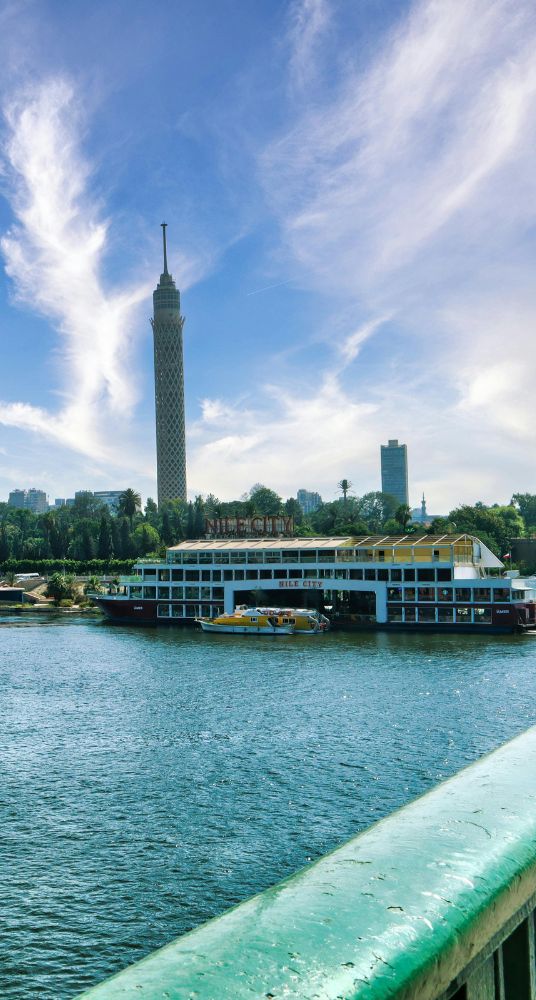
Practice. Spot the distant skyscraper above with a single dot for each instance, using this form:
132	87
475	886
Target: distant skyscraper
34	500
394	457
169	388
308	501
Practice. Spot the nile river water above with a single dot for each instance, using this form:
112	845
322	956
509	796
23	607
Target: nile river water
152	778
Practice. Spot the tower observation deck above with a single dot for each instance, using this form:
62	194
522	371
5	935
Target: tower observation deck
167	324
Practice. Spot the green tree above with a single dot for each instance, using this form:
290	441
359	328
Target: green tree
61	587
403	516
93	585
145	539
104	545
199	518
263	501
375	508
344	486
525	503
190	524
129	504
5	548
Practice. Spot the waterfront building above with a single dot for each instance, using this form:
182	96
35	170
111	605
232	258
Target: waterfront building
308	501
167	325
394	468
432	582
32	499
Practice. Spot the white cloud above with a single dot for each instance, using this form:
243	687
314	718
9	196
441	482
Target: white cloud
54	255
411	193
308	20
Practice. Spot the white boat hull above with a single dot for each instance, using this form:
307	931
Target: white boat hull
208	626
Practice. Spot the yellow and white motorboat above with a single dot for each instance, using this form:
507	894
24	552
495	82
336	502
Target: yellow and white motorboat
247	621
306	621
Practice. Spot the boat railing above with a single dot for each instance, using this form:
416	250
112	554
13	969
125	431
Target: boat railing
435	902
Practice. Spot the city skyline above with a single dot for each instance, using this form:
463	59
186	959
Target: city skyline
354	242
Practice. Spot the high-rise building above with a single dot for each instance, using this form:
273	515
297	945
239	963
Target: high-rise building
394	461
32	499
110	498
308	501
17	498
167	327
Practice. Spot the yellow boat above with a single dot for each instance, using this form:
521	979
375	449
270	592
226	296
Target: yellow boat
247	621
304	620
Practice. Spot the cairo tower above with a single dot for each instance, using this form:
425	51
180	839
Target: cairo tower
167	327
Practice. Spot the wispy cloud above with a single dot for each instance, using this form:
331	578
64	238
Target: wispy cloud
411	192
54	255
308	21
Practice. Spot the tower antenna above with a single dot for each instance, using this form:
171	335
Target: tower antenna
164	224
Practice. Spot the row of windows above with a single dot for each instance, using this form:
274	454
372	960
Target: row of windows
338	573
221	557
460	616
188	611
446	594
178	593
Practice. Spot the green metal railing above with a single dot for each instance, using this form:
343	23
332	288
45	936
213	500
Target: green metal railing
435	902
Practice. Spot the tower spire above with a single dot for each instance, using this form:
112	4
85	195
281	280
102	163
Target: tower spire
164	224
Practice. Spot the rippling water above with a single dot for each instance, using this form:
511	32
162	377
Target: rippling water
152	778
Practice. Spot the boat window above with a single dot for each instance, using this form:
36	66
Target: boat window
191	574
394	593
426	594
191	593
410	614
177	593
427	614
217	593
425	575
255	557
189	557
445	615
409	574
252	574
239	574
163	611
177	610
280	574
163	591
409	593
463	594
163	574
483	616
444	593
501	593
383	574
206	557
482	594
296	574
177	574
149	592
463	615
394	614
444	574
273	557
265	574
396	575
216	574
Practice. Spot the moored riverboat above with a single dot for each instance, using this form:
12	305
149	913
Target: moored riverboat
427	583
248	621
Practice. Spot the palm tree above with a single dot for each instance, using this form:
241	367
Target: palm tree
345	486
129	504
403	515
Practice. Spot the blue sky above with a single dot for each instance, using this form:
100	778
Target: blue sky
351	200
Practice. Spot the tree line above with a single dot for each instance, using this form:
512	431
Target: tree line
87	537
